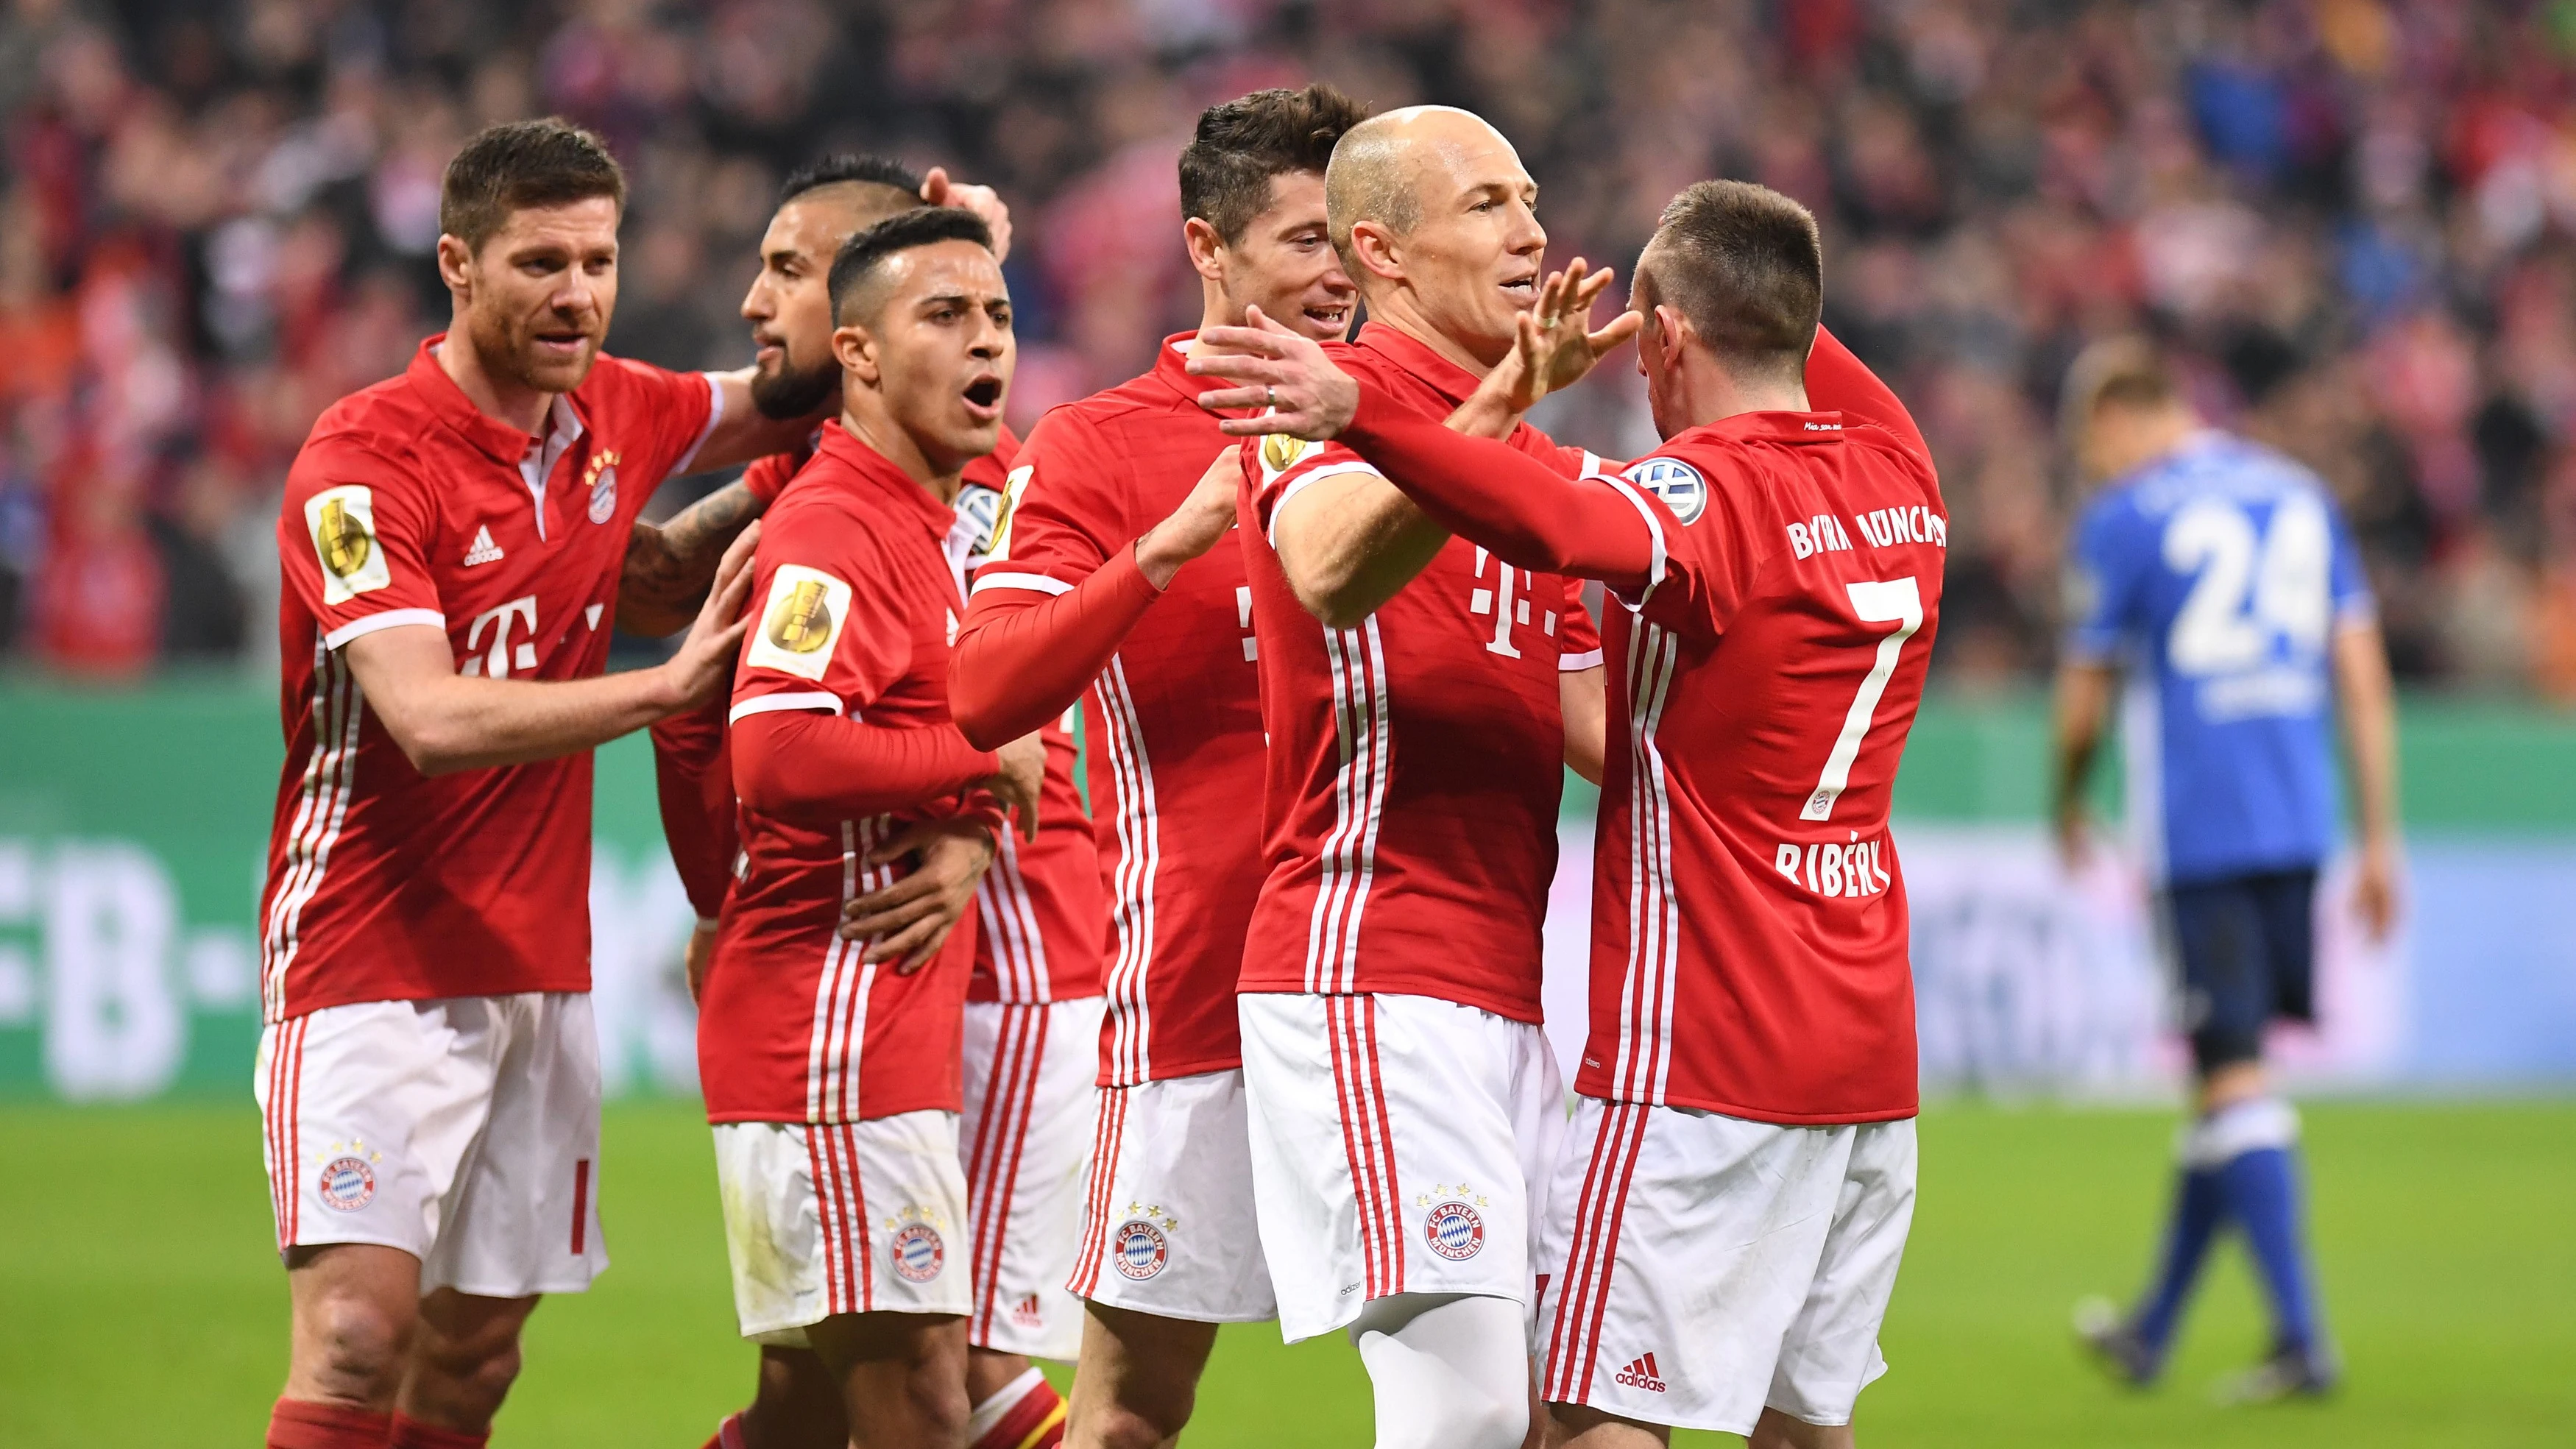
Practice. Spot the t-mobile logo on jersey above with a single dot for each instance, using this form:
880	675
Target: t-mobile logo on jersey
1507	610
502	658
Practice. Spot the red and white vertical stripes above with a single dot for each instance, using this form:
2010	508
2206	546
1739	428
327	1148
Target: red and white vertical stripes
1583	1290
1654	910
1364	727
1129	1041
1368	1140
1009	920
280	1127
993	1158
330	777
841	992
1108	1135
832	1156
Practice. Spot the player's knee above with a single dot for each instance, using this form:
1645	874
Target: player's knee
937	1396
1126	1426
357	1348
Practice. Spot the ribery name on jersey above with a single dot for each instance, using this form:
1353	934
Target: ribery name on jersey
1883	527
1856	869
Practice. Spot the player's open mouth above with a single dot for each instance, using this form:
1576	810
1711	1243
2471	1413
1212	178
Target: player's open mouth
1335	317
564	344
984	398
1522	290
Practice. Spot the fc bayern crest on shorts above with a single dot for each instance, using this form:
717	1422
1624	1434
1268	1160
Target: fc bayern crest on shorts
918	1255
1454	1231
347	1184
1139	1249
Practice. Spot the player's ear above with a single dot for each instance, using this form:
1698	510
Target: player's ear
1204	245
1373	246
856	350
455	263
1674	329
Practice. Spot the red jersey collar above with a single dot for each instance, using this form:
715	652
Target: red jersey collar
1172	368
873	471
489	435
1778	427
1415	356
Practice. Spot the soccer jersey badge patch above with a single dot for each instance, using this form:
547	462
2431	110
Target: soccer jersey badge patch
798	625
1454	1231
1280	451
342	522
347	1184
603	486
917	1253
1139	1249
1675	482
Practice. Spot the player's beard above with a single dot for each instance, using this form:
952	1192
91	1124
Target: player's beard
791	393
510	351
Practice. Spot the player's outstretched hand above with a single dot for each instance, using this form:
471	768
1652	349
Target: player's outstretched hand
703	667
1556	345
1283	371
908	921
1016	784
984	201
1197	525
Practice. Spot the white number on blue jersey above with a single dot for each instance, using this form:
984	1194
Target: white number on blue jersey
2247	590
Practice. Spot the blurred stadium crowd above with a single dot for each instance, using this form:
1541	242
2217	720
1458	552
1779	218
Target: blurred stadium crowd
2356	217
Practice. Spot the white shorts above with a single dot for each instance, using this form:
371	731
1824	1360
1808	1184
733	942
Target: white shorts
1708	1266
1400	1144
863	1217
463	1131
1168	1227
1026	1135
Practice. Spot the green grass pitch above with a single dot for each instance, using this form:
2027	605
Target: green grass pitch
139	1304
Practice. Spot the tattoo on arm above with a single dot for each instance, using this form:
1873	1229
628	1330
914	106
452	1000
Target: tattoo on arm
668	568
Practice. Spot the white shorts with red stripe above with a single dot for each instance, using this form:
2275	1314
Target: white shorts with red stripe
1026	1136
860	1217
1168	1225
1707	1266
463	1131
1400	1144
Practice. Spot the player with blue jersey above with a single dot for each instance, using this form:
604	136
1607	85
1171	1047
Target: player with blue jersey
2218	577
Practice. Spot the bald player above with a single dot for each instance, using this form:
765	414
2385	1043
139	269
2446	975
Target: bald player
1422	699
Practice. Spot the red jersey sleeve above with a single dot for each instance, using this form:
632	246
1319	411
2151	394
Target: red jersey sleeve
354	540
1057	592
693	784
830	632
765	476
1578	640
1837	381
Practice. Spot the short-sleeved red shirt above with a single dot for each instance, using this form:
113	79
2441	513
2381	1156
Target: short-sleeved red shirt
1174	743
1749	920
1415	759
407	506
858	592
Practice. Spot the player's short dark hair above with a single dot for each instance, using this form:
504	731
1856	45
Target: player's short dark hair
520	164
842	168
1240	145
1744	266
2124	371
866	251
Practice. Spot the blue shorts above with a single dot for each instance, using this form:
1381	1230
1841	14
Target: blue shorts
2245	949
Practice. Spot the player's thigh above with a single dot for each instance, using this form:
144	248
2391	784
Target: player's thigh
2218	943
524	1216
902	1375
1831	1352
369	1114
841	1219
1169	1216
1137	1371
1025	1161
1692	1242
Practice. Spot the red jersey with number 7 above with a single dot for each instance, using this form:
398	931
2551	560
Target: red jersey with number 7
1749	920
1416	758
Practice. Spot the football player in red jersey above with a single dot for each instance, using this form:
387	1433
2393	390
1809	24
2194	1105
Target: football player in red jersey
1751	1059
1108	577
1422	699
453	542
1031	1013
833	1078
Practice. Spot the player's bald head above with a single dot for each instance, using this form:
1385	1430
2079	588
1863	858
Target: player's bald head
1381	167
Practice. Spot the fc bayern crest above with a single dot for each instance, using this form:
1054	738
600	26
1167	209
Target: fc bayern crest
1675	482
1139	1249
603	495
918	1254
347	1184
1454	1231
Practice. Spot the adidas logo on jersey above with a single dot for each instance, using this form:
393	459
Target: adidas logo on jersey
1640	1374
484	550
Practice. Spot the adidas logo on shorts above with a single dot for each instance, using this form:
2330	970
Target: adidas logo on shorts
1641	1374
